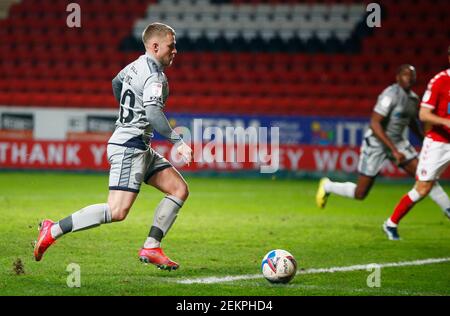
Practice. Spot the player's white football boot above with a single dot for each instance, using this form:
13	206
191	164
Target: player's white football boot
447	213
321	195
391	232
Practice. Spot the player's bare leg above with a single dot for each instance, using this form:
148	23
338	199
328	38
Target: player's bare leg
437	193
407	202
357	191
170	182
390	225
117	208
363	186
120	203
410	167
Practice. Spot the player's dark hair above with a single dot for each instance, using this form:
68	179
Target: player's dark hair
405	66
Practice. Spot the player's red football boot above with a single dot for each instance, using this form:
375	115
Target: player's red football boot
45	239
157	257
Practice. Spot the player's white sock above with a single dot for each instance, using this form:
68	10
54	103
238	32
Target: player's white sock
346	189
56	231
88	217
438	195
390	223
151	242
414	196
165	216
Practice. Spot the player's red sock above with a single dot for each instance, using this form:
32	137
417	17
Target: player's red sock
402	208
405	204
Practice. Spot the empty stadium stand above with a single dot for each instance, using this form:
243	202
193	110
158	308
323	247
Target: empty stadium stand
252	57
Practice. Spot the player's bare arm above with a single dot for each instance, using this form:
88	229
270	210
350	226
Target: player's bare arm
375	125
426	115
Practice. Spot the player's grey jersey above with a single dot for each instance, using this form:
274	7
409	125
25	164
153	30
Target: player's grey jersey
143	84
399	108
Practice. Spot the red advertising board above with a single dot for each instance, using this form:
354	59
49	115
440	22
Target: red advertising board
83	155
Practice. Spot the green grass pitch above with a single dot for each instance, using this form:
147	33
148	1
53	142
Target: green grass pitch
224	229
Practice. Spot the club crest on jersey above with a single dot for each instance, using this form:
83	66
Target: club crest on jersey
156	89
386	102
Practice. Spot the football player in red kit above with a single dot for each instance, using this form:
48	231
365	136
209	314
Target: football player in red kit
435	154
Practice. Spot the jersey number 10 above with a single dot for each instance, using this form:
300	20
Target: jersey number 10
127	119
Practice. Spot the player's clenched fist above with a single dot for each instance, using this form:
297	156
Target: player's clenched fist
186	152
399	157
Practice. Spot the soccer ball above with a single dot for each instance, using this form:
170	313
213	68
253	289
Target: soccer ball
279	266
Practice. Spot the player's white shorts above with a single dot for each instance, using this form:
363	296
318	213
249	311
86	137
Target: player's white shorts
132	166
433	160
373	155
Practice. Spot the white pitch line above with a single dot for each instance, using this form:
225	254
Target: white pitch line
230	278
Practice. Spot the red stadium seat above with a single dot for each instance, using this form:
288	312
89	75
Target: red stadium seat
57	100
6	99
44	63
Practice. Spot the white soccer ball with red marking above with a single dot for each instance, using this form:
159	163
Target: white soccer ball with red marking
279	266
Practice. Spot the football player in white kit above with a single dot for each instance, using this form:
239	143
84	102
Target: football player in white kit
395	111
141	89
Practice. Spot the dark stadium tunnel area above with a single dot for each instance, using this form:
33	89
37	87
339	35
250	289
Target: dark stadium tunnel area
331	45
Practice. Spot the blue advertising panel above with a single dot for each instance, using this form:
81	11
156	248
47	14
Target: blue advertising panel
311	130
